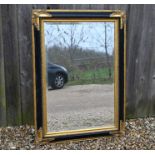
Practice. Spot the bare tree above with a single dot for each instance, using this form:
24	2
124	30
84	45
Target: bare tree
69	37
106	50
106	42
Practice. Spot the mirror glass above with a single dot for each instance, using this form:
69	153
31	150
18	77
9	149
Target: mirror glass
80	74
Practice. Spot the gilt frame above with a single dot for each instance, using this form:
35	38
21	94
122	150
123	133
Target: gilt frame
39	73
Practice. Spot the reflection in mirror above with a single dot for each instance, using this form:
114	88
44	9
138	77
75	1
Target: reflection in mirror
80	75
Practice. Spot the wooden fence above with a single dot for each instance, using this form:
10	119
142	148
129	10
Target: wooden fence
16	104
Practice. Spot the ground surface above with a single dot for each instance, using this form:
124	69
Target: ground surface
80	106
139	134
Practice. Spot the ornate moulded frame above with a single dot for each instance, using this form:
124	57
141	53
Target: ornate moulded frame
39	80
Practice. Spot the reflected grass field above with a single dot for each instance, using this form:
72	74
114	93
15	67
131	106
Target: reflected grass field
98	76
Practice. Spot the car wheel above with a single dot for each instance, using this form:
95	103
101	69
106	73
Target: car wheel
58	82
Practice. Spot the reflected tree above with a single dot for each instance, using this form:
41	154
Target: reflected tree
106	42
67	37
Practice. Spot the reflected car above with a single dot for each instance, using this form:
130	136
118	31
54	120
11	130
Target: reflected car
57	76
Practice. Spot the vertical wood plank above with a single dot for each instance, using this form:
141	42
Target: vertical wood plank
2	79
25	56
11	57
134	52
145	82
151	35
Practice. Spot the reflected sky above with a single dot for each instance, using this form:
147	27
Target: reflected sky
85	35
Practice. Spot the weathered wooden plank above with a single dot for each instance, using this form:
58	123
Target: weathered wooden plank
136	12
145	94
11	58
45	6
2	80
93	6
25	56
140	71
151	47
74	6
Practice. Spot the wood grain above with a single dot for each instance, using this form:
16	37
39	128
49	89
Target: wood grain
11	58
16	103
2	80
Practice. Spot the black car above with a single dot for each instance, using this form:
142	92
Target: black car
57	76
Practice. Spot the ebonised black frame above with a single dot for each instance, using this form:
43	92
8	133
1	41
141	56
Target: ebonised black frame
38	82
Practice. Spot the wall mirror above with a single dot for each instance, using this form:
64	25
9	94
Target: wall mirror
79	72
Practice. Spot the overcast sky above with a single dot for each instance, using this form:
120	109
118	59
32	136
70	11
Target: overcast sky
87	35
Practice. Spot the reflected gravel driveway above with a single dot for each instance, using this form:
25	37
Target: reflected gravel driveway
80	107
